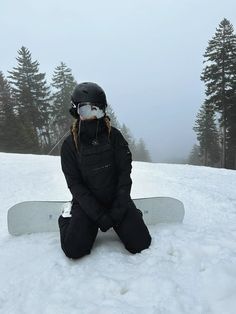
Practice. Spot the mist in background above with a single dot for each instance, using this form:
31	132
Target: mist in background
147	55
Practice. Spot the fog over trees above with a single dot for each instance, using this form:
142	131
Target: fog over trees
215	124
34	115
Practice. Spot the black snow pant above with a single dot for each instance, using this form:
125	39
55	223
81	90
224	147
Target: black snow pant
79	232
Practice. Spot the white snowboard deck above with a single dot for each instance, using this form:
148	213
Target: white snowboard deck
42	216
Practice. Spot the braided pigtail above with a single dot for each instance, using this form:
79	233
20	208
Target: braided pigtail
108	124
74	130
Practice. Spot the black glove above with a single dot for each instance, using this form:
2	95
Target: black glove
119	209
105	223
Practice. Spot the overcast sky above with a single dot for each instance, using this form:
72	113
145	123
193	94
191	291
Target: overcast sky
147	55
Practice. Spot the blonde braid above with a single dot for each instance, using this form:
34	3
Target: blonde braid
108	124
74	131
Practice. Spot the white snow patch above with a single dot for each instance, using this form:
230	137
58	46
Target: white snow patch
189	268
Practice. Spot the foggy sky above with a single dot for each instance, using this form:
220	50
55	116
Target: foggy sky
147	55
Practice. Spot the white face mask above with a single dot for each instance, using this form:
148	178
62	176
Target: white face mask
89	110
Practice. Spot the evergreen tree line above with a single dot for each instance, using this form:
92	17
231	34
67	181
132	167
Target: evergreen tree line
34	116
215	123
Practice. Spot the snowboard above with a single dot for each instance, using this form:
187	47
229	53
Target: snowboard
42	216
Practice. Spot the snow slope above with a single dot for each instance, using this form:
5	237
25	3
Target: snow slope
189	268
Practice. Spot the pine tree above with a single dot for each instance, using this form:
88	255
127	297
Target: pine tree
194	158
231	131
142	154
207	135
11	128
114	121
63	83
139	150
31	96
7	117
129	138
219	74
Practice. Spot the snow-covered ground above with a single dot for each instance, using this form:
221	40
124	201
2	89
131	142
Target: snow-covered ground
189	268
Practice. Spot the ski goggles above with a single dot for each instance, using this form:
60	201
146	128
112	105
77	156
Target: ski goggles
88	110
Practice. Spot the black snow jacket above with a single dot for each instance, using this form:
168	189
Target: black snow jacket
98	173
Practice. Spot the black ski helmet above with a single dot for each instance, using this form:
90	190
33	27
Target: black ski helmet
87	92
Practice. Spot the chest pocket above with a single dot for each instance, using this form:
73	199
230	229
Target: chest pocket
97	163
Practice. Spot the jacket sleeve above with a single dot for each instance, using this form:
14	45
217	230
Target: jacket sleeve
123	160
79	191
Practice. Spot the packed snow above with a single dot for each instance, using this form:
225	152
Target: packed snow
189	267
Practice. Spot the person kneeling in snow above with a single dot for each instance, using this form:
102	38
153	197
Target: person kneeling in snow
96	162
